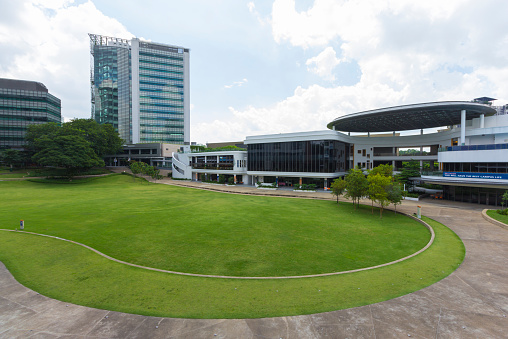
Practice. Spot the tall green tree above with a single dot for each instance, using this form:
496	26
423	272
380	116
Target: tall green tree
383	169
338	187
409	169
11	157
102	137
71	152
356	185
395	194
378	191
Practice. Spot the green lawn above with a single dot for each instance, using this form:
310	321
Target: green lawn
5	173
196	231
71	273
499	217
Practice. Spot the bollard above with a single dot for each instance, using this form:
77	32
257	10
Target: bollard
21	224
419	212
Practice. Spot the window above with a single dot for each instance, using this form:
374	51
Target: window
364	151
359	151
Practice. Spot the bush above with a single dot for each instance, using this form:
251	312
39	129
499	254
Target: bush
412	195
503	211
222	179
308	187
231	181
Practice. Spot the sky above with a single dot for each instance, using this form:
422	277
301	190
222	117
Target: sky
264	67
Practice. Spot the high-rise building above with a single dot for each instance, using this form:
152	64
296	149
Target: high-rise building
24	103
141	88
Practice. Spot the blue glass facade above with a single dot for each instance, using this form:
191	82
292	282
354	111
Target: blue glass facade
161	93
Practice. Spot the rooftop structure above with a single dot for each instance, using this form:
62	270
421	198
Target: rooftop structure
410	117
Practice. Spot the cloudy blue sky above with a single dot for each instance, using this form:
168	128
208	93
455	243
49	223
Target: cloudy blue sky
261	66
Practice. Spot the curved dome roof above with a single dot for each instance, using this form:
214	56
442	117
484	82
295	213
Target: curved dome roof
410	117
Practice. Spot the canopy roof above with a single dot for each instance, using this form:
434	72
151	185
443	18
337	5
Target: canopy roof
410	117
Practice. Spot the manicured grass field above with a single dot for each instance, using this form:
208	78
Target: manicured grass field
198	231
71	273
499	217
5	173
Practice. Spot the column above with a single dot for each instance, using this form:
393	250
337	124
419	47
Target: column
482	121
234	178
326	183
463	127
300	182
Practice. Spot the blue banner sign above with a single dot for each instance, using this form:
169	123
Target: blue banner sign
503	176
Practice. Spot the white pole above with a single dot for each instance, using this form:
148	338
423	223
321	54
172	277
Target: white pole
463	127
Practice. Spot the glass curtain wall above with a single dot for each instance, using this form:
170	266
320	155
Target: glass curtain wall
20	109
112	88
316	156
161	77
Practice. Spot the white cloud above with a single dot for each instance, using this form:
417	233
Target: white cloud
47	41
407	52
237	83
252	9
324	63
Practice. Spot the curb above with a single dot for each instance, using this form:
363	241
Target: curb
492	220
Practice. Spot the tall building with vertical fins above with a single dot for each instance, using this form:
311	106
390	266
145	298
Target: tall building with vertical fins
141	88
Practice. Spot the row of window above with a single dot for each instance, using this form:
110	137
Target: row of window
163	63
169	70
476	167
146	75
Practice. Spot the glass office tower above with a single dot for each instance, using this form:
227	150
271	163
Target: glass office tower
24	103
141	88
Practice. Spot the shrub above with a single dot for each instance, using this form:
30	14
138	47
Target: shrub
307	187
222	179
503	211
231	181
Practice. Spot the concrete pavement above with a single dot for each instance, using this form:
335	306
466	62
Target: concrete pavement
470	303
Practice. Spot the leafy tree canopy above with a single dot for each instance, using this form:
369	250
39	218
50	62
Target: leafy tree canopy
71	152
338	187
356	185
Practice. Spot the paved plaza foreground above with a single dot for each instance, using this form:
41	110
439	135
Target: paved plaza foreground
470	303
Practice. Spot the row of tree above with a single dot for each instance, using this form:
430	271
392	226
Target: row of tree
379	185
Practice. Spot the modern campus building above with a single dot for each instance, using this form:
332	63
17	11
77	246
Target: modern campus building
141	88
463	144
24	103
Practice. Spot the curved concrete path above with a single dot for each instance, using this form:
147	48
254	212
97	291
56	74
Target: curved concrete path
471	303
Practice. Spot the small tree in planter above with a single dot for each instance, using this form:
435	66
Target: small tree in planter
222	179
231	181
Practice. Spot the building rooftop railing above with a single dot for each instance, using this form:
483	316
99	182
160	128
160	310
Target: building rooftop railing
473	147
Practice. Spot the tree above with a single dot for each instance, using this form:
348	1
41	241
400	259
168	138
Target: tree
338	186
395	194
102	137
136	168
70	152
36	132
377	190
11	157
504	198
356	185
409	169
383	169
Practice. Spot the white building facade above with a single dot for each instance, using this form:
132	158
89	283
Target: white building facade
464	144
